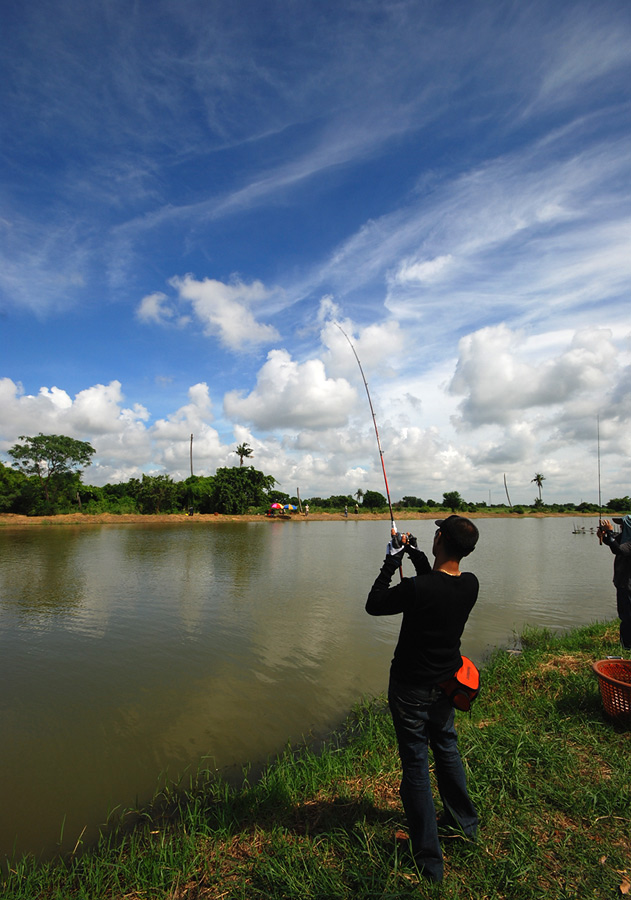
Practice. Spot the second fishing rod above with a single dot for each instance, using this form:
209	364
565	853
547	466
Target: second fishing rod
374	420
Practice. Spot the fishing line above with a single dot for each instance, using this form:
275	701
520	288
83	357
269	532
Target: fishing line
374	419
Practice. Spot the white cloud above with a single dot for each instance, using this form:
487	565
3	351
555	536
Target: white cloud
224	310
292	395
96	409
58	398
499	386
171	437
529	237
378	346
126	443
425	270
154	309
513	446
590	52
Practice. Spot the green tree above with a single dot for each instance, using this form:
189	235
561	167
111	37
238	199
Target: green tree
243	451
453	501
339	501
619	504
374	500
52	459
235	490
195	492
538	480
157	494
13	486
280	497
359	494
412	501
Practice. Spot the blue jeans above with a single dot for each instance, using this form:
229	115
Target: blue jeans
623	604
423	717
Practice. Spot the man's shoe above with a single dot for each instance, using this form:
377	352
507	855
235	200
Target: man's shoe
448	827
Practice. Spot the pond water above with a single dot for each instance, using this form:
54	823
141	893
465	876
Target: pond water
131	651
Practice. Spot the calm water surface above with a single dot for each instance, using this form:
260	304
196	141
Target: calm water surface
130	651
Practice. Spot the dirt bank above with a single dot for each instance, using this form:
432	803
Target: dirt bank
13	520
173	518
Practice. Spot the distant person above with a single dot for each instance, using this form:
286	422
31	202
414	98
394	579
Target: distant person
356	509
620	546
435	607
306	509
346	511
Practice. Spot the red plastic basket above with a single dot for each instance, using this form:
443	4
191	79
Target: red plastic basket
614	680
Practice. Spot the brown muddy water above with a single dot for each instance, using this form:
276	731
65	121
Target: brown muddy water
130	653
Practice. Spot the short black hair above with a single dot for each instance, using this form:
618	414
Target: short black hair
461	534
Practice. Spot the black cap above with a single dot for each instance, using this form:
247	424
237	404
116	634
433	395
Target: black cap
460	532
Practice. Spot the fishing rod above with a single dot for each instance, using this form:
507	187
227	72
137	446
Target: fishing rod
600	505
374	419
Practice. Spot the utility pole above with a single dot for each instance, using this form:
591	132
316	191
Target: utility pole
507	495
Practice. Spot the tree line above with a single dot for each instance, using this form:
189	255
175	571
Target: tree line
46	479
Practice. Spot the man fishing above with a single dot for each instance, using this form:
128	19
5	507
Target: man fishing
435	607
620	546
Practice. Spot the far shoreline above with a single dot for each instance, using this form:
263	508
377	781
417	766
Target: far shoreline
12	520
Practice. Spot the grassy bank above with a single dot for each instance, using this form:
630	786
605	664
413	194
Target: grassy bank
551	777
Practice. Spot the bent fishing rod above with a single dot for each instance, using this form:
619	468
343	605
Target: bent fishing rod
374	419
600	505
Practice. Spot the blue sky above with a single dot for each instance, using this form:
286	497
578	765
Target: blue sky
192	194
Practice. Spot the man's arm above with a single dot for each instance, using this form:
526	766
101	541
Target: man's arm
419	560
613	540
616	547
384	600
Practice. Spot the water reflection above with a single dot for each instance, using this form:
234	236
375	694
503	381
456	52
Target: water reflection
55	581
128	651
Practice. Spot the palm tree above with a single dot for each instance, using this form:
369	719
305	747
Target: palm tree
538	480
243	450
359	494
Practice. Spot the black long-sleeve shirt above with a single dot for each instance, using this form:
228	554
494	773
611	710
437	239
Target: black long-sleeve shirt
435	608
622	562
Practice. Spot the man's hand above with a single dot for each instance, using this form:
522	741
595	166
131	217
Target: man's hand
395	547
410	541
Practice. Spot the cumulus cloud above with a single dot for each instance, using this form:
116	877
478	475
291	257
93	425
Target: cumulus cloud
225	310
378	345
98	410
514	445
498	384
126	442
95	410
289	394
96	414
171	436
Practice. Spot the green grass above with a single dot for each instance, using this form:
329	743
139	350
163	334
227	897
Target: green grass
550	775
